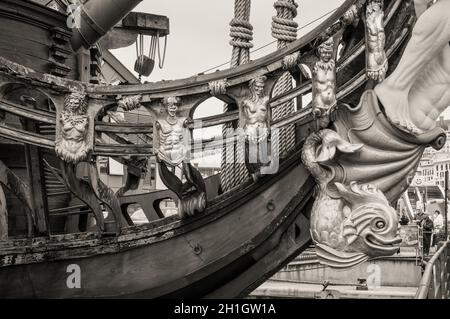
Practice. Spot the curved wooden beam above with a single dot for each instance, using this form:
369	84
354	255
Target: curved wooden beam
105	195
80	189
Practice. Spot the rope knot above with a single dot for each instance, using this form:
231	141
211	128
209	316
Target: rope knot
241	32
290	5
284	28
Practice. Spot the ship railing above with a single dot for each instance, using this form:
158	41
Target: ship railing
435	282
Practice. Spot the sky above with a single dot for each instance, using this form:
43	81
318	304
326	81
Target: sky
199	41
199	32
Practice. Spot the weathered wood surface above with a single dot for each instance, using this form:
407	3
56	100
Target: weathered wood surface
21	191
105	195
124	128
3	215
29	27
26	112
34	168
203	246
80	189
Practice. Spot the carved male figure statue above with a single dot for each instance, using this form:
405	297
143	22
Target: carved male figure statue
172	133
376	60
72	146
324	83
256	115
172	151
418	91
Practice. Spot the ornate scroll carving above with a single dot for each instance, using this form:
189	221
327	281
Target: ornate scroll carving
291	60
172	146
376	60
324	84
351	16
129	103
349	223
72	144
218	87
255	117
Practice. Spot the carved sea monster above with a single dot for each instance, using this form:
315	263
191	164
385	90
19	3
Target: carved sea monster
349	223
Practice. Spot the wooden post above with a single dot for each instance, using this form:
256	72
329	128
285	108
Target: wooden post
446	206
3	216
34	169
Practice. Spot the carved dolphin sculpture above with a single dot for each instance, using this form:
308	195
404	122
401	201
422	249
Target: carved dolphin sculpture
352	223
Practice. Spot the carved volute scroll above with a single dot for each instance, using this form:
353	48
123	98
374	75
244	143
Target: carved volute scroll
376	59
172	143
73	143
129	103
324	83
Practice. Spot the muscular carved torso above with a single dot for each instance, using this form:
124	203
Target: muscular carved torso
74	129
377	63
256	118
324	86
172	141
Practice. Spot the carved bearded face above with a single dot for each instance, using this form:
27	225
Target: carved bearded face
72	147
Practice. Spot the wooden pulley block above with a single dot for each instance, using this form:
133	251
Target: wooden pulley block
144	65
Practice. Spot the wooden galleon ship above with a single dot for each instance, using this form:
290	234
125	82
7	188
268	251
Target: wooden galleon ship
52	126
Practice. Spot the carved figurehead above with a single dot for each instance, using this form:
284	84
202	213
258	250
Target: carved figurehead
324	83
72	145
256	111
376	60
172	134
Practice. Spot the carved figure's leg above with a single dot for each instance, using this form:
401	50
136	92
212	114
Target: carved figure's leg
250	161
257	156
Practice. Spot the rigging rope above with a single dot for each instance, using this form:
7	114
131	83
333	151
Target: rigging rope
233	169
272	42
284	29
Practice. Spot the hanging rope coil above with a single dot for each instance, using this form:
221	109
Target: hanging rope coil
241	33
234	171
284	29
